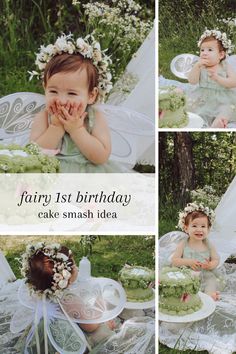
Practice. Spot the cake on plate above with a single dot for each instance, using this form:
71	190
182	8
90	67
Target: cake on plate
28	159
172	107
137	282
178	291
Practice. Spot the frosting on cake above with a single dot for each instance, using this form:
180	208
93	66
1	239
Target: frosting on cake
136	281
172	112
178	291
28	159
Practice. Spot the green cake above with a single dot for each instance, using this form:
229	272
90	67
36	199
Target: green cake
28	159
178	291
172	111
136	281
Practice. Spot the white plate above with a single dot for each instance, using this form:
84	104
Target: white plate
140	305
195	121
207	309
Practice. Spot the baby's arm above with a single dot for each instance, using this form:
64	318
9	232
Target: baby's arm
214	260
48	136
229	81
96	147
178	261
194	74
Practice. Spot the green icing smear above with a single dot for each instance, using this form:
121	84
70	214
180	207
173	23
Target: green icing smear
35	162
173	102
171	99
174	283
139	294
171	120
134	277
136	282
174	306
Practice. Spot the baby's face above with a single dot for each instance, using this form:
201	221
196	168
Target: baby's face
210	51
69	87
198	228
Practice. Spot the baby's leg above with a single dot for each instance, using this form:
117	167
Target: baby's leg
220	122
211	288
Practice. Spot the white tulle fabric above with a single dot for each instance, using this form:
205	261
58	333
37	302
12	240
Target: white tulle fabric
31	325
217	333
137	335
6	274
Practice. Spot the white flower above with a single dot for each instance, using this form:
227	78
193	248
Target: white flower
88	48
63	283
222	37
66	274
62	256
57	277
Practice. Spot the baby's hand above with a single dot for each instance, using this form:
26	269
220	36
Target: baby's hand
212	72
220	123
194	264
72	117
206	265
203	62
54	111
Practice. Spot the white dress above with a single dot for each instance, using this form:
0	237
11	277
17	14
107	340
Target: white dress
217	333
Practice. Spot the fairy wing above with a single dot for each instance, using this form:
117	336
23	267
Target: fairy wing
17	112
132	133
182	64
66	338
167	246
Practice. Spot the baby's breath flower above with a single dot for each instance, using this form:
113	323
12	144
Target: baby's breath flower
61	268
222	37
191	207
88	47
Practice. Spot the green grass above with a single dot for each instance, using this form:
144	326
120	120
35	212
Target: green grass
163	350
109	253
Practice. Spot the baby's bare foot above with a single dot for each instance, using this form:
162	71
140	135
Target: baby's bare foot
111	324
215	296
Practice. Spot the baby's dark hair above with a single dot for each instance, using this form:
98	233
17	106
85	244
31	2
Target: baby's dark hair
70	63
194	215
220	46
40	272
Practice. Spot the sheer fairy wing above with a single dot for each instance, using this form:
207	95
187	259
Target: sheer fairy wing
65	338
16	115
132	133
97	303
232	61
182	64
168	244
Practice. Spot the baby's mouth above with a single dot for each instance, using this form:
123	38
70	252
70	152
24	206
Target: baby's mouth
199	235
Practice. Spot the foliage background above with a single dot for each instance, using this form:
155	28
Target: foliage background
181	23
25	25
108	256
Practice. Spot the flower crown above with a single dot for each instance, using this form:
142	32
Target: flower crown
62	268
222	37
88	47
195	207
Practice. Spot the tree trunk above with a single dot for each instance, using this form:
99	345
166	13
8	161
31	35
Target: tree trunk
183	170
